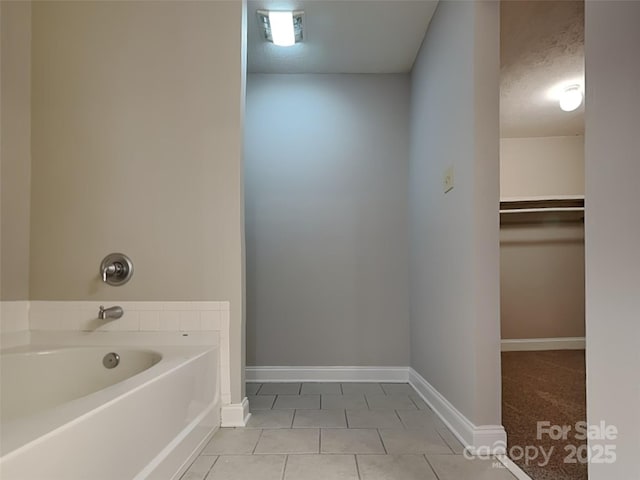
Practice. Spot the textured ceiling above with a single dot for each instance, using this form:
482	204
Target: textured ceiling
542	49
343	36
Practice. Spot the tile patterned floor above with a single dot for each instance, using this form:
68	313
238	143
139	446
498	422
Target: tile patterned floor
338	431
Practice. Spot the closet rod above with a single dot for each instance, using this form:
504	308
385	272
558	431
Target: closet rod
537	210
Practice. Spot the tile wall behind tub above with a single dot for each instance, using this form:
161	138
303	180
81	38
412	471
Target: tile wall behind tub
14	323
14	316
140	317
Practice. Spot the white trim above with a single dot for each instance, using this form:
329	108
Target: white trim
486	438
327	374
235	414
530	344
513	468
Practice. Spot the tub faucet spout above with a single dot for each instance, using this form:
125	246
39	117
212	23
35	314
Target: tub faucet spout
111	312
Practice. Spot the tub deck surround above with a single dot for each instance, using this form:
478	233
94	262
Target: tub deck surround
14	323
162	326
138	316
190	318
127	430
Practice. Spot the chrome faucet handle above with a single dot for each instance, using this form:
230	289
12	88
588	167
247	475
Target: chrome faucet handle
116	269
107	271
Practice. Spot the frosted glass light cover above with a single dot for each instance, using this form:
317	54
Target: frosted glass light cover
282	28
571	98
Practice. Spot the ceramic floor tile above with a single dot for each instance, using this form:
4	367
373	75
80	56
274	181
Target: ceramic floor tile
402	441
416	418
347	402
297	401
244	467
299	440
397	402
252	388
270	419
352	440
420	403
447	436
319	419
373	419
199	468
261	402
320	387
371	388
279	389
321	467
392	434
451	440
457	467
394	467
232	441
397	389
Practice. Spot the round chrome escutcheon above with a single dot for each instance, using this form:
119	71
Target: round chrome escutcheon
111	360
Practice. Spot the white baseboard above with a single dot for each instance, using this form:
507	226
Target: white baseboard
486	438
235	414
531	344
327	374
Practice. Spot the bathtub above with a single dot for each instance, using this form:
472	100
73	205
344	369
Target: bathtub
66	416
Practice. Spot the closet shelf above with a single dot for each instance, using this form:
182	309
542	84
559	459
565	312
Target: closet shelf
542	209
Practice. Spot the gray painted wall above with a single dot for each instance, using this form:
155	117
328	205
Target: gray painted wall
455	338
612	230
326	160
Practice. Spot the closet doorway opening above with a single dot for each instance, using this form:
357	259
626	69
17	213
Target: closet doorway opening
542	236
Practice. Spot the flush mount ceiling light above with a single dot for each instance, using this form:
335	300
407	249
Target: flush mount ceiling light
571	98
281	28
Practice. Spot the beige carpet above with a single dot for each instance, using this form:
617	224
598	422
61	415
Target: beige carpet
544	386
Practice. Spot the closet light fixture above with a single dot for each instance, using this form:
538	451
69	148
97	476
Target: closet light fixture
571	98
283	29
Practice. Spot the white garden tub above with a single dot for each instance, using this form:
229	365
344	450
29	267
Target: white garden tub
65	416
